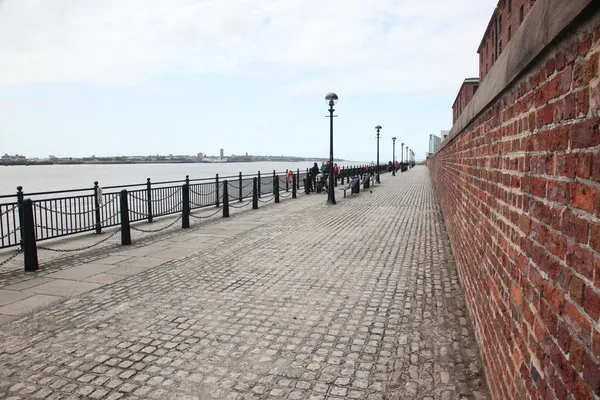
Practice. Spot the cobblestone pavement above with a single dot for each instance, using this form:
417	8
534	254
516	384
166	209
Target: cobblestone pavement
301	301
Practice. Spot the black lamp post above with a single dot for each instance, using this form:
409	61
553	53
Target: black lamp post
331	98
377	128
393	156
407	162
401	157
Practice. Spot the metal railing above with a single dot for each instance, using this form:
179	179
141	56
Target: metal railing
74	211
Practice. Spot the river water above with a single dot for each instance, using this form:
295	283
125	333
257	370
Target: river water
43	178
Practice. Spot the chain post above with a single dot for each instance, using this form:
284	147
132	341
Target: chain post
259	189
306	186
294	186
97	200
276	188
28	234
20	206
125	227
225	199
185	209
241	195
149	199
254	193
298	180
217	191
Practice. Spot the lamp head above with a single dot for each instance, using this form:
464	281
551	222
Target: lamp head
332	99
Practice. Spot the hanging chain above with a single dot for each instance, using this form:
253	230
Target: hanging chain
80	248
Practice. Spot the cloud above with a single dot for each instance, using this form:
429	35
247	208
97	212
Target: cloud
352	46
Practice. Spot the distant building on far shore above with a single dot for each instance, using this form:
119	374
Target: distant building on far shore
222	153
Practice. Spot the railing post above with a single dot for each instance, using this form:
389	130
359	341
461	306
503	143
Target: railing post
187	180
28	233
298	180
294	186
274	173
225	199
306	186
287	183
254	194
240	187
125	228
217	190
20	206
185	209
97	201
259	189
276	188
149	197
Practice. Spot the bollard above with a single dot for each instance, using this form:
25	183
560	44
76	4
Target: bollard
28	234
276	188
254	194
217	191
149	197
185	209
298	180
225	199
259	189
20	203
97	200
125	228
240	188
294	186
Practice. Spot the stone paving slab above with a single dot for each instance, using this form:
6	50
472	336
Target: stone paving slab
355	301
29	304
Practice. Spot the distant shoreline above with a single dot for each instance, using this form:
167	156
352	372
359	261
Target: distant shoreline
37	163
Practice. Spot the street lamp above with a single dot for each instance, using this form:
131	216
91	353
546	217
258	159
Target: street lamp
401	157
377	128
393	156
407	162
331	98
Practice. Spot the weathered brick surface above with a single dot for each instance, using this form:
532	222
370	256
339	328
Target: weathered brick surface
300	301
520	194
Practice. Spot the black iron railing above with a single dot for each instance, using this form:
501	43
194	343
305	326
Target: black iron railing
69	212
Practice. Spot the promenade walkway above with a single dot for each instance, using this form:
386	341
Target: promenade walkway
297	300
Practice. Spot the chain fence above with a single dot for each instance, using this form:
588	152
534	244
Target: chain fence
241	205
10	233
203	194
8	210
80	248
9	259
267	200
207	216
155	230
156	200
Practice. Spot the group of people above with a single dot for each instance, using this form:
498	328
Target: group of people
317	179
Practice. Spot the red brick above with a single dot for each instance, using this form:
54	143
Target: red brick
596	165
525	223
576	290
595	236
582	102
585	134
592	303
565	165
559	191
580	260
583	197
576	321
583	165
574	226
585	71
591	374
554	296
596	343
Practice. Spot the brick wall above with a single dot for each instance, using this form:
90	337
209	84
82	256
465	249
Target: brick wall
519	188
